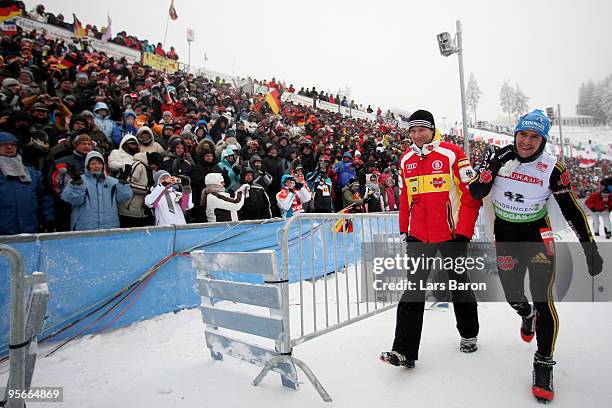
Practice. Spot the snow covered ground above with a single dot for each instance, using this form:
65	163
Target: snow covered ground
163	363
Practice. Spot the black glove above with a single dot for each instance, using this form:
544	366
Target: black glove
124	174
404	237
593	258
461	238
236	168
593	209
504	155
74	174
185	181
298	186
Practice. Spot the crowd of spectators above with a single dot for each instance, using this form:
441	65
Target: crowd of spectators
104	143
40	14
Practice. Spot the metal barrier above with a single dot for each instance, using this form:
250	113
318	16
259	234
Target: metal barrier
273	295
336	297
27	319
328	257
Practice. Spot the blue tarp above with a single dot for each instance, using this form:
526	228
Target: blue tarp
87	271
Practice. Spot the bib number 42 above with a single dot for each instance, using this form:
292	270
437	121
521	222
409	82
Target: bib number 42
516	197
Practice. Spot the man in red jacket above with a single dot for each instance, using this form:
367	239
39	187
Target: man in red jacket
600	204
435	207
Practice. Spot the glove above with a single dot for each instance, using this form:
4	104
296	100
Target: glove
461	238
236	169
593	258
593	209
298	186
74	174
185	181
404	237
503	155
124	174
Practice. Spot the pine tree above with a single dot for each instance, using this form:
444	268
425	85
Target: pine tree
506	99
519	105
473	94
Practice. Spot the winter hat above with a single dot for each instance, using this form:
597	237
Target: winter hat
6	137
9	82
422	118
347	154
77	118
81	75
158	175
93	155
535	120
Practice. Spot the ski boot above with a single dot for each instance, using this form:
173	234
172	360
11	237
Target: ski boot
542	387
396	359
528	326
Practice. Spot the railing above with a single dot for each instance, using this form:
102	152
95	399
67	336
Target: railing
26	323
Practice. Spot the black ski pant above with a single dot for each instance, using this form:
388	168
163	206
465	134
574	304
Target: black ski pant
519	248
409	319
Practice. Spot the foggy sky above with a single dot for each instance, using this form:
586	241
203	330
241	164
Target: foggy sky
385	51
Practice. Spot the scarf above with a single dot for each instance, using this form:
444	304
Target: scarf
13	167
215	188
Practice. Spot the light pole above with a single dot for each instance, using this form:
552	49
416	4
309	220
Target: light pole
449	47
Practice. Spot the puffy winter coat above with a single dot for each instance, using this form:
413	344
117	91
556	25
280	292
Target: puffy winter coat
94	201
119	158
139	182
21	204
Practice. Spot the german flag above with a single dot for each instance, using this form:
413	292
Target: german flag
79	31
8	10
68	61
273	99
345	224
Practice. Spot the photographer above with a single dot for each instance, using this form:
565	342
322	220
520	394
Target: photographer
168	203
292	196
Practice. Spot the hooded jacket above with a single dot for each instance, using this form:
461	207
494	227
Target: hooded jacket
168	204
230	169
95	199
119	158
105	124
21	203
290	201
257	203
123	129
219	205
139	183
150	145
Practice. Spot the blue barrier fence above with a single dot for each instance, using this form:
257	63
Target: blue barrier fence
87	270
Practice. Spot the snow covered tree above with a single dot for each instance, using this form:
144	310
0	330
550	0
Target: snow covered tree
595	99
506	99
472	94
519	103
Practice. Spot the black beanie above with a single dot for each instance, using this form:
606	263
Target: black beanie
422	118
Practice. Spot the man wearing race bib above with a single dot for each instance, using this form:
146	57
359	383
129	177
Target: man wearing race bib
519	179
